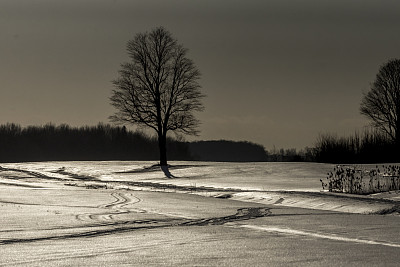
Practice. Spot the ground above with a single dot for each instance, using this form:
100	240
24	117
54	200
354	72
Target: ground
76	213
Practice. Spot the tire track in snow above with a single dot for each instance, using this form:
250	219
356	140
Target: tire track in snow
127	226
33	173
114	208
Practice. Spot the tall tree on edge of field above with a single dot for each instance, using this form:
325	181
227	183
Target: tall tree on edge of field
382	103
158	88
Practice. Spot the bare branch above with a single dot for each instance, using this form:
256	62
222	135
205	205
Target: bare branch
382	103
159	87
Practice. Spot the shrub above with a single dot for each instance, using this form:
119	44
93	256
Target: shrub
357	180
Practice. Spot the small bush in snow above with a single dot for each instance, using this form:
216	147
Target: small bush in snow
357	180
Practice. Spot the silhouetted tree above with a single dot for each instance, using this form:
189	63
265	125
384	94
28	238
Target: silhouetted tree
382	103
158	88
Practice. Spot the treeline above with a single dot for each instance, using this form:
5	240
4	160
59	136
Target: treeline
291	155
368	147
242	151
230	151
101	142
106	142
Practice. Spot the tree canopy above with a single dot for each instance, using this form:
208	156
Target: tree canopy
158	88
382	103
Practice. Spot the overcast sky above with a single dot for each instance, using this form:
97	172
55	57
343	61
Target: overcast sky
275	72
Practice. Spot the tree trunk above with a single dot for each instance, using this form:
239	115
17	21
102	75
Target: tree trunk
162	145
397	141
397	133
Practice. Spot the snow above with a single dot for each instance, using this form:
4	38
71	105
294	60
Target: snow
286	184
246	176
128	213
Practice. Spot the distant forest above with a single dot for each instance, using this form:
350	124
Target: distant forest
370	146
63	142
106	142
223	150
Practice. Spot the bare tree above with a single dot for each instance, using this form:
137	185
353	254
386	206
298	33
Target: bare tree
158	88
382	103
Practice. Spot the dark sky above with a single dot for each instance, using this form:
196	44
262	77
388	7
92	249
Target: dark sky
274	72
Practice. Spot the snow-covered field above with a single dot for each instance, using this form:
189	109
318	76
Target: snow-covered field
287	184
113	213
257	176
